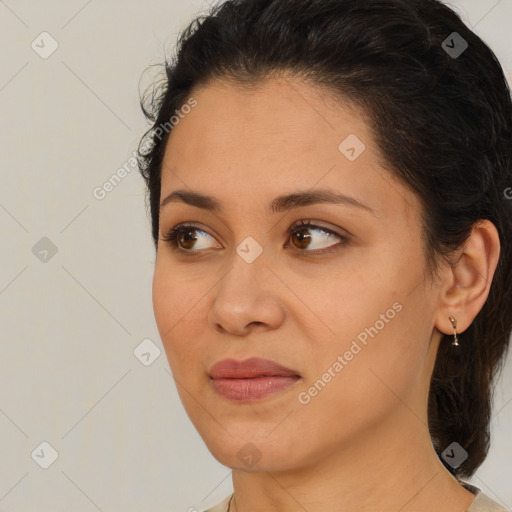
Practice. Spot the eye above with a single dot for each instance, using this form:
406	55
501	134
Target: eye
298	233
184	238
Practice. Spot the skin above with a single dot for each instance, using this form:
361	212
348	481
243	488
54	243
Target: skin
362	443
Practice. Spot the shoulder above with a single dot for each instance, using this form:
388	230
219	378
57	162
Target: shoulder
482	502
222	506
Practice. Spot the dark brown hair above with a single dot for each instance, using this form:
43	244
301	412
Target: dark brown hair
443	123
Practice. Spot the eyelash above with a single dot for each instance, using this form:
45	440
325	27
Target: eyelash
171	237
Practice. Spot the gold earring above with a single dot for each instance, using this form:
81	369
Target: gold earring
454	324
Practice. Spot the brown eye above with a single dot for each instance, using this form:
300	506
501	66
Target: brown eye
303	240
301	236
186	239
183	237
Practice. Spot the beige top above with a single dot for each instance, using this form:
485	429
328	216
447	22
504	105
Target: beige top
481	503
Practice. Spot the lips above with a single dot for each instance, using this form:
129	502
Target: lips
249	369
252	379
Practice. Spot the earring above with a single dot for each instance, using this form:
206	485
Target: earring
454	324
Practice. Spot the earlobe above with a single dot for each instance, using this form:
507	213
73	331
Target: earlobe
470	279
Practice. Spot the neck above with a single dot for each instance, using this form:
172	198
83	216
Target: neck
393	468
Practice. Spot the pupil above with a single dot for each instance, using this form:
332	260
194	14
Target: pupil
303	237
188	236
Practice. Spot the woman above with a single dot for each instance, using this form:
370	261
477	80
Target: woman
328	193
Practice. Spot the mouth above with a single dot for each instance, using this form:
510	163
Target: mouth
252	379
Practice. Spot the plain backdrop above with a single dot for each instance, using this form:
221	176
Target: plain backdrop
75	273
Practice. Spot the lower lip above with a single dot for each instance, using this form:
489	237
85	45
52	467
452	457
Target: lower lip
252	389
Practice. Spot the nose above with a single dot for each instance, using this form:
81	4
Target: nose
247	298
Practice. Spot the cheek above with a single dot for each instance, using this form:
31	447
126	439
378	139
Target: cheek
379	340
378	380
164	302
176	307
176	295
349	306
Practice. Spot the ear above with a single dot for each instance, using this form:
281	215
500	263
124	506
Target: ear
467	282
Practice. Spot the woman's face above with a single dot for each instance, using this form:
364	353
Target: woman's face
343	303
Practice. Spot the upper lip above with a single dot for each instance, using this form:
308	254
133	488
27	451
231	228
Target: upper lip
249	368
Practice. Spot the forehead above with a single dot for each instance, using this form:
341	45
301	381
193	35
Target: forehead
274	109
279	134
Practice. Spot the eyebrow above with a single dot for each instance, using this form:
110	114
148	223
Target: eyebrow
279	204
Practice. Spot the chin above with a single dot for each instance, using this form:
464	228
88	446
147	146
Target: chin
250	453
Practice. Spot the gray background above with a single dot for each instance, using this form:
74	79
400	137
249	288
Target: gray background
70	323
